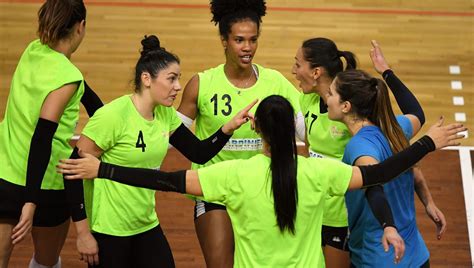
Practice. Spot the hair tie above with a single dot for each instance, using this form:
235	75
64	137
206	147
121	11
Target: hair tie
374	82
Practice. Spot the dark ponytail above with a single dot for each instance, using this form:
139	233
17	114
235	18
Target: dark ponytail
227	12
153	59
275	121
370	99
322	52
56	19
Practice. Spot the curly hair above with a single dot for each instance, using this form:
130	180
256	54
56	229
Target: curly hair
227	12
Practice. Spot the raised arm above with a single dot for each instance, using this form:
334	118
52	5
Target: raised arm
407	102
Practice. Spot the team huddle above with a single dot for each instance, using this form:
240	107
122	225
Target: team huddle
348	201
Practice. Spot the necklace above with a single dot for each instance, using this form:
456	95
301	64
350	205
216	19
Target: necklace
247	82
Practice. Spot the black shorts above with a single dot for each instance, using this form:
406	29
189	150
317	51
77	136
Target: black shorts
51	210
336	237
201	207
145	250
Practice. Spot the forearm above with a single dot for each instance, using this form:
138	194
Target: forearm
198	151
75	194
38	158
421	187
145	178
396	164
379	205
405	99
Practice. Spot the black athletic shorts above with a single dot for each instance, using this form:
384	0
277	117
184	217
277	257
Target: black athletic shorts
201	207
51	210
336	237
149	249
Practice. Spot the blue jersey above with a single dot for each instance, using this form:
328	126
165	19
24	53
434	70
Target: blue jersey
365	231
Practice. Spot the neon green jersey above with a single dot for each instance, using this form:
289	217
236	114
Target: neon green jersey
40	71
326	138
244	186
219	100
127	139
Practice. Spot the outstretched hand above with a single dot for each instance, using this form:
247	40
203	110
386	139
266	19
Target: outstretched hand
391	237
448	135
86	167
378	60
239	119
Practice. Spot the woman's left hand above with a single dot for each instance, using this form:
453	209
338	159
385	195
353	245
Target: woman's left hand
391	237
86	167
239	119
438	218
378	60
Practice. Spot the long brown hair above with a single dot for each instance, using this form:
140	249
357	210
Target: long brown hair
370	100
56	19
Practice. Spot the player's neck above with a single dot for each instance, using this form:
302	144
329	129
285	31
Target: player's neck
144	105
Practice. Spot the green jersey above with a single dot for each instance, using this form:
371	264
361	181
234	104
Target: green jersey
244	186
219	100
40	71
127	139
326	138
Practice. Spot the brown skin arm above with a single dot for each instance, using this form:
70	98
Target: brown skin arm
188	105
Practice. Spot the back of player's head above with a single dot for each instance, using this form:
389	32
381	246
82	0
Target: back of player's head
57	18
274	120
369	99
153	59
227	12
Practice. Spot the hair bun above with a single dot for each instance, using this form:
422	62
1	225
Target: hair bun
150	43
374	82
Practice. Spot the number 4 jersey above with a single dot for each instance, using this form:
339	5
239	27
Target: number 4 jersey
219	100
127	139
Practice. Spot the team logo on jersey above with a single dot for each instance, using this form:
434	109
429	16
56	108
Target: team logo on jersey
337	133
243	145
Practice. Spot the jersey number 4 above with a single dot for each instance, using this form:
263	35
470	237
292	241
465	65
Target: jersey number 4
226	99
141	141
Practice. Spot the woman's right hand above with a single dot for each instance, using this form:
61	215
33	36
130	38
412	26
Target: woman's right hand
448	135
239	119
86	167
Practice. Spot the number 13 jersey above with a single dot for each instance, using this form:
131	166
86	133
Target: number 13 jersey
219	100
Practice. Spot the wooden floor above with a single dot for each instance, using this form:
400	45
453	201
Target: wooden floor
421	39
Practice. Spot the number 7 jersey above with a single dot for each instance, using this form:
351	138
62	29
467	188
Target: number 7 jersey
219	100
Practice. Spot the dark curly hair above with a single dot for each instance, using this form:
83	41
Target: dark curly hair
227	12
